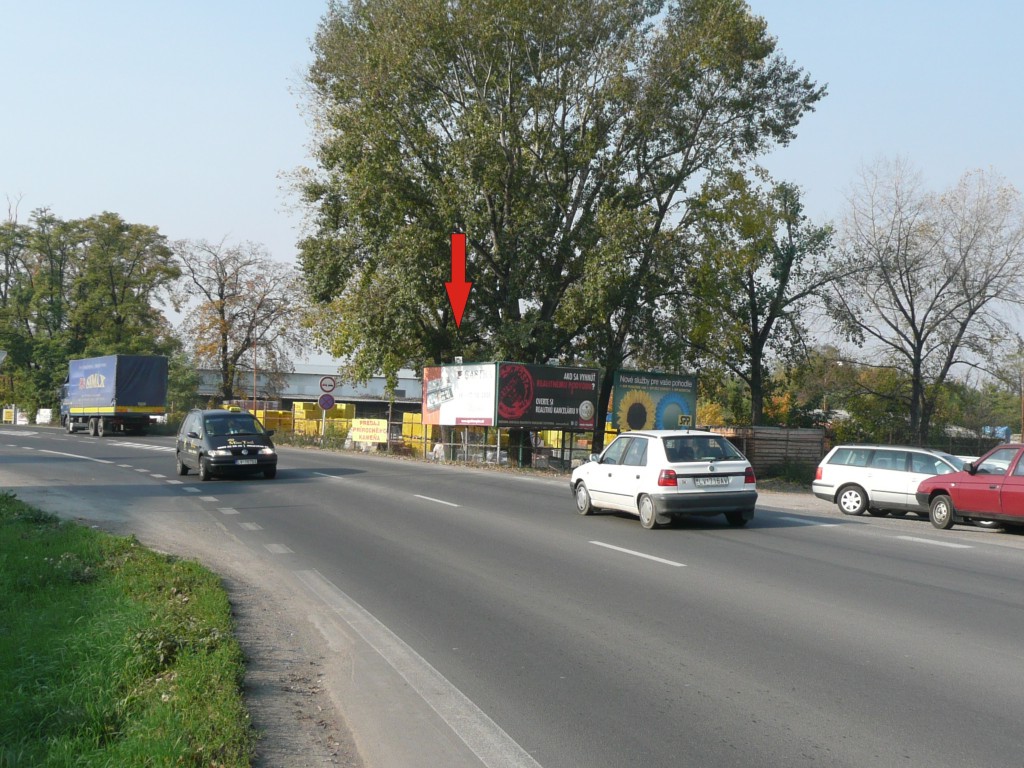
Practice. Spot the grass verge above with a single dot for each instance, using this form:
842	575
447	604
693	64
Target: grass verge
111	654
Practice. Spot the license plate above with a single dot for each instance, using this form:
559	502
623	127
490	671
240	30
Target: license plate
710	481
245	461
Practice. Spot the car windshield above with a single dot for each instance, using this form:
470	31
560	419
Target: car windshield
233	425
699	448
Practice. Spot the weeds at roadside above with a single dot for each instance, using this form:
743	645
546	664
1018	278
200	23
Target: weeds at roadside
111	654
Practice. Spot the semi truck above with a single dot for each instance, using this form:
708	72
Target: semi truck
114	394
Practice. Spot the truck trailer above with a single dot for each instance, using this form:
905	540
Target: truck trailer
115	393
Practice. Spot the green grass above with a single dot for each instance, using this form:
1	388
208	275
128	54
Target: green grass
112	655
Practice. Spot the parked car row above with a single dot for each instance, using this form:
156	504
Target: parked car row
884	479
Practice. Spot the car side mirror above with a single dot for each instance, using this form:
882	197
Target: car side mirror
193	435
595	458
270	433
971	468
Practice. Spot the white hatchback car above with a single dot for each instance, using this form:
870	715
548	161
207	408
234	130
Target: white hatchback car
661	474
879	479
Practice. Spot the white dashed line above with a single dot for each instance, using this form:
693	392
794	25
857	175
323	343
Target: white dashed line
227	510
948	544
75	456
278	549
251	526
436	501
639	554
207	498
805	521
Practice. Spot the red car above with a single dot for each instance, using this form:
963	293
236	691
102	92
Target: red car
991	488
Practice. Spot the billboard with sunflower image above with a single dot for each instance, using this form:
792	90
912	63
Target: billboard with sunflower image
643	400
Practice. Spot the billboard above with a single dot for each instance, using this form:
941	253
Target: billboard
546	397
459	394
643	400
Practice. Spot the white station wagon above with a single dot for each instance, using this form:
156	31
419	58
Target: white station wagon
662	474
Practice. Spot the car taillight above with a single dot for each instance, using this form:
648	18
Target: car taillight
667	478
748	475
817	474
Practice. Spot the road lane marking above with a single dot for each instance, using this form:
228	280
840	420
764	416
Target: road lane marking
208	498
331	477
145	446
278	549
171	482
805	521
189	489
436	501
487	740
949	544
75	456
661	560
227	510
250	526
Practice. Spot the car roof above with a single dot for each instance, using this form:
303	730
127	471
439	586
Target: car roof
893	448
663	433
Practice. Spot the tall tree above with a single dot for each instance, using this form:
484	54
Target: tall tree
743	306
930	276
564	138
122	273
79	287
243	311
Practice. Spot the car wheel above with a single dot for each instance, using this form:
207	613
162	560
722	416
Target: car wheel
648	517
736	519
204	469
941	512
583	504
270	473
852	500
180	466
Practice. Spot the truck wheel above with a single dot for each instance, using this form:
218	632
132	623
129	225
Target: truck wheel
94	427
69	425
101	427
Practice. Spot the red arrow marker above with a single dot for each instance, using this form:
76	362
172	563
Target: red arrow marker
458	288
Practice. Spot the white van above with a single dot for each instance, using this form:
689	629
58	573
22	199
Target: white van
879	479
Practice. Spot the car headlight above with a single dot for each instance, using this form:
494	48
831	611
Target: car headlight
219	452
266	451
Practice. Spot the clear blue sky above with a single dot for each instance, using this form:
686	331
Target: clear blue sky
185	114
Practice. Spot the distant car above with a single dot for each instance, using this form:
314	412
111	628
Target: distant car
662	474
879	479
219	442
989	489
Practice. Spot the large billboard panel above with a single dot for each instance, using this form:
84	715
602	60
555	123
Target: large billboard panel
546	396
642	400
456	395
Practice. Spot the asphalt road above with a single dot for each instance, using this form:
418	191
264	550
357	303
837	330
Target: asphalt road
481	621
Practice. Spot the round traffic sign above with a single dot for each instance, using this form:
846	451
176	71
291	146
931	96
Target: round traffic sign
326	401
327	383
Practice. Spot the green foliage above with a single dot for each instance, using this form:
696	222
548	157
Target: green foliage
111	654
76	289
564	138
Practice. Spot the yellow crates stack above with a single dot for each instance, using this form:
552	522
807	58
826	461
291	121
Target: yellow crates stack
309	418
279	421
